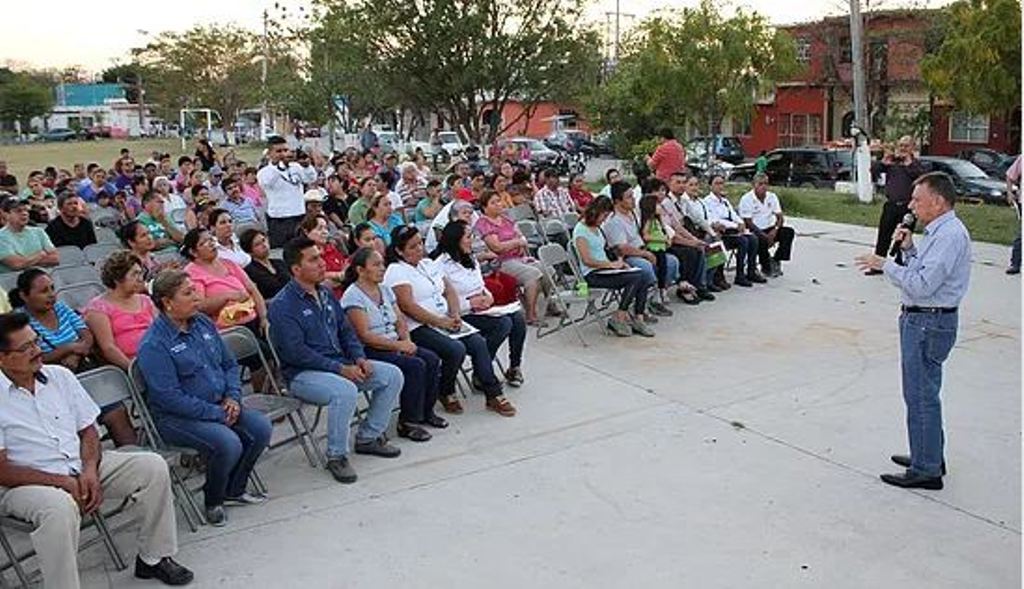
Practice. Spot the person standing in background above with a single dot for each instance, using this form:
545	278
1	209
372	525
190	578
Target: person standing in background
668	158
901	169
1013	197
283	182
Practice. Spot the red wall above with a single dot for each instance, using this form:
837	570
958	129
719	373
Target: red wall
940	144
788	100
536	127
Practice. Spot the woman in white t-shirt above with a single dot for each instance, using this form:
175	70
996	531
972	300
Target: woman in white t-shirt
431	307
455	254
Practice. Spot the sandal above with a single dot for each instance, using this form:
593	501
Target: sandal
413	432
690	298
435	421
451	404
501	406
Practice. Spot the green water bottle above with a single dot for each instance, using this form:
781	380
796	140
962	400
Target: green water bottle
582	289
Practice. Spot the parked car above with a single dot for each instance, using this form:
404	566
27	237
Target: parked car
540	154
806	167
450	142
992	162
726	148
58	135
972	184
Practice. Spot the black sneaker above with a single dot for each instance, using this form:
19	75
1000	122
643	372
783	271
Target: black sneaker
166	571
742	281
1013	270
757	278
377	447
247	499
705	295
514	377
216	516
341	470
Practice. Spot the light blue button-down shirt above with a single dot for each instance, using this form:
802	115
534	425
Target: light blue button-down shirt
938	270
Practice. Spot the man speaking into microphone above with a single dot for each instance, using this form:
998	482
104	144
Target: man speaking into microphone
932	282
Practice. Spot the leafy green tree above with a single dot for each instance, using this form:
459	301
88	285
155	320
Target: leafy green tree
978	63
22	98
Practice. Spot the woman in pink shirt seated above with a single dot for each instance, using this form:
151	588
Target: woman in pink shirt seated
120	317
504	239
227	294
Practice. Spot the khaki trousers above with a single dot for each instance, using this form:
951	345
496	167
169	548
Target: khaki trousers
142	476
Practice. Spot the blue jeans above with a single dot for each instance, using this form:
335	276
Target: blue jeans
925	342
453	352
497	329
1015	252
340	394
647	268
746	256
230	451
421	372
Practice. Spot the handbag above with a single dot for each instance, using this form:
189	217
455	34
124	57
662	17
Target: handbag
504	287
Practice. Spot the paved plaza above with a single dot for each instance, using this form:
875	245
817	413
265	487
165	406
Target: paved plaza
739	448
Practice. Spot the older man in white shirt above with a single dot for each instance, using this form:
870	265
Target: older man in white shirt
284	184
735	235
762	213
50	468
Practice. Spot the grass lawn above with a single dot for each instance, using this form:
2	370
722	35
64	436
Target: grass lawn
991	223
22	159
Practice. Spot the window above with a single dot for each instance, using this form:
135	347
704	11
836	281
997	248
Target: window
803	50
796	130
968	128
845	50
744	126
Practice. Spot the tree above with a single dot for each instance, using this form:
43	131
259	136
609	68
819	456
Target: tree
693	65
23	98
212	66
461	58
131	75
978	63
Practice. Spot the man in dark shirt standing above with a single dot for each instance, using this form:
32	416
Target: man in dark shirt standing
901	170
71	227
8	182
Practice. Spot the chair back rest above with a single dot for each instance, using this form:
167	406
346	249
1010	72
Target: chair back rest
8	280
138	389
528	228
77	296
97	253
520	212
71	255
243	344
64	276
554	226
570	219
166	256
106	235
106	385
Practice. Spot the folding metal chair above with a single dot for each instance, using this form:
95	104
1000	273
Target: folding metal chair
570	219
107	385
70	255
97	253
77	296
531	231
520	213
167	256
276	404
106	236
8	280
553	256
68	275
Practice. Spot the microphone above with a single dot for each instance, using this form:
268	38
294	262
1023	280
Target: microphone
908	222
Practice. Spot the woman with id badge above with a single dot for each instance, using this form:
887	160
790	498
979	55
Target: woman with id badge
431	307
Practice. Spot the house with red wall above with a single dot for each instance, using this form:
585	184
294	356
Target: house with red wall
816	107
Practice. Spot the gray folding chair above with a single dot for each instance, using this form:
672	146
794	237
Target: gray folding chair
8	280
167	256
156	441
97	253
553	259
276	404
109	384
106	236
570	220
531	231
77	296
520	213
68	275
71	255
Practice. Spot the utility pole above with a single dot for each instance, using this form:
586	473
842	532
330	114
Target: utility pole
263	79
862	125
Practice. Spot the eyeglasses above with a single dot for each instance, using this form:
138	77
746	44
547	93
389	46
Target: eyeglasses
24	347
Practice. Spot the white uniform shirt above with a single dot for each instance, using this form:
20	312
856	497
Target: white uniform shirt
427	282
761	212
720	211
284	188
697	212
40	430
466	282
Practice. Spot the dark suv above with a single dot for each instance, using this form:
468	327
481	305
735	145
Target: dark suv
806	167
726	148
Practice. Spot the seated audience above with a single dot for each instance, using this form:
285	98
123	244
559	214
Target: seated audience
362	235
381	327
382	219
90	191
193	388
685	246
360	209
735	235
431	307
315	229
120	317
154	218
242	210
226	293
430	204
762	213
460	267
601	272
64	339
220	223
54	470
268	274
22	245
136	238
324	363
578	191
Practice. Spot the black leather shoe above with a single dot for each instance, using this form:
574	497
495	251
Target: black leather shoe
912	481
705	295
757	278
742	281
166	571
904	461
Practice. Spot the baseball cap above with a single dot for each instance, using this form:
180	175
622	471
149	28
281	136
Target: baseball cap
314	195
464	194
12	202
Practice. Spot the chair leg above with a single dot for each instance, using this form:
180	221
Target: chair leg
188	507
108	540
306	439
257	482
13	557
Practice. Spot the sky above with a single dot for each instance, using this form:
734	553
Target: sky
102	34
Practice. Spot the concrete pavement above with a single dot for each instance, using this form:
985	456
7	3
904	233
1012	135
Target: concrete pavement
739	448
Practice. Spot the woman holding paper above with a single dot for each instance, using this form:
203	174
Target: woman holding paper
382	328
476	304
431	307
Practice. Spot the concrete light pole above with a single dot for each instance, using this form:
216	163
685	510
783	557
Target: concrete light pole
861	129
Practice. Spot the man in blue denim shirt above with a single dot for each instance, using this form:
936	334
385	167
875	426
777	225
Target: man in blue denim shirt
194	391
932	282
324	362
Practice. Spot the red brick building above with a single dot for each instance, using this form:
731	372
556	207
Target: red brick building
541	121
817	106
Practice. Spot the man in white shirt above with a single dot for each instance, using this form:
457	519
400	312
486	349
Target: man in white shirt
762	213
50	468
284	184
735	235
411	186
